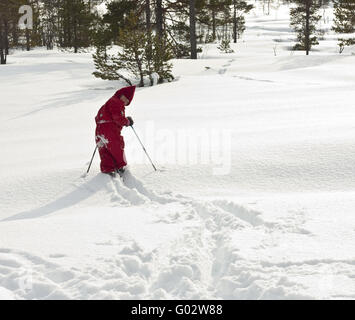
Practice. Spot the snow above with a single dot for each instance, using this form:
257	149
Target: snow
253	199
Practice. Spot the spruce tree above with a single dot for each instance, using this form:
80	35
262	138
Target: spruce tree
75	24
34	36
116	16
49	21
162	54
225	45
240	8
134	41
214	9
304	19
180	18
9	31
109	67
102	37
142	54
344	22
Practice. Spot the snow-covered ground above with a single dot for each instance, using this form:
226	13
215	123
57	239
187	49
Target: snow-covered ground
255	193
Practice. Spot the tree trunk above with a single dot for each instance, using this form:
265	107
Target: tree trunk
213	24
2	45
307	30
159	18
2	56
235	30
141	76
149	39
28	40
14	34
6	37
75	26
193	29
147	14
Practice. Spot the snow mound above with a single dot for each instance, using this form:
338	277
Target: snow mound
195	263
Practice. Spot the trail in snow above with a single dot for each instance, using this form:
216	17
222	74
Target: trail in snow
203	262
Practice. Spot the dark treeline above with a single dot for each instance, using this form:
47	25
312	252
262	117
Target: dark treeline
76	24
152	32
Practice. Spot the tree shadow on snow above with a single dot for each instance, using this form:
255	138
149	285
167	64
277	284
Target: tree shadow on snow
81	193
65	99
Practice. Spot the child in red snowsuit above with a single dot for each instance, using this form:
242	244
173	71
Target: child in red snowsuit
109	122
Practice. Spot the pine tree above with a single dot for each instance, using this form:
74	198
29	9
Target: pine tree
102	37
134	42
109	67
162	54
304	19
75	24
240	8
344	22
180	19
116	16
33	36
225	45
8	26
143	54
49	18
214	9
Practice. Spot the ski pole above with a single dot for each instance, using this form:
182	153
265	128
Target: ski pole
91	160
155	169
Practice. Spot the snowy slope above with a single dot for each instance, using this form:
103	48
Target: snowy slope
254	197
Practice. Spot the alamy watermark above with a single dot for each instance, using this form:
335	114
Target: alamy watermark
185	146
26	19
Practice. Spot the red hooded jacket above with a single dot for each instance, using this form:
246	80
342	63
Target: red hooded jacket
109	122
113	111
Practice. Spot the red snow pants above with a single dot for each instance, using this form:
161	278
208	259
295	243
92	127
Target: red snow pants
111	147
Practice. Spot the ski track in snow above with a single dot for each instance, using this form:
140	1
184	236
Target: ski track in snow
201	264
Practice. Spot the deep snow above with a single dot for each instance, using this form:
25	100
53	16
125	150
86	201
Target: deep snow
254	197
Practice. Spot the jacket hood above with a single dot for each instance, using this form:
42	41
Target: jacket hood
128	92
